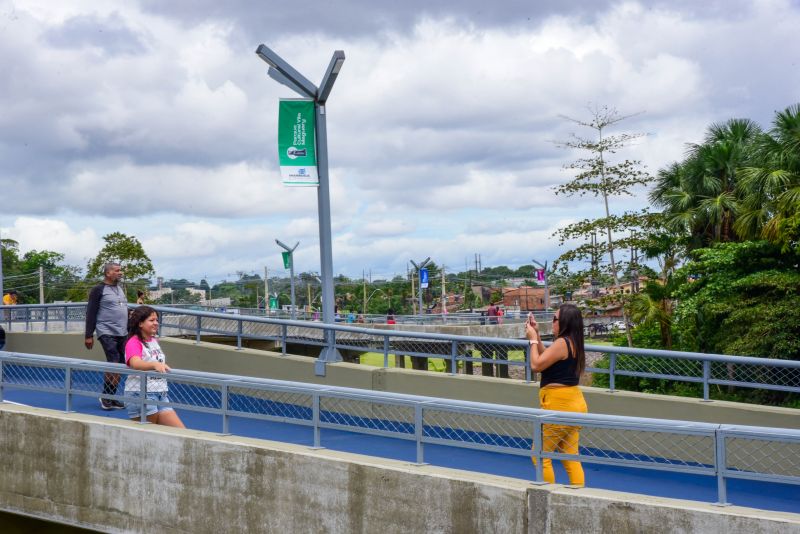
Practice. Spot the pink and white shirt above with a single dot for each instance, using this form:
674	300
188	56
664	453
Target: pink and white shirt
149	351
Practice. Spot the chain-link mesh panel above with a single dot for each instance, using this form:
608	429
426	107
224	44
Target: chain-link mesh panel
189	393
367	414
649	446
34	375
263	330
286	404
86	380
756	374
763	456
299	334
490	430
659	366
357	340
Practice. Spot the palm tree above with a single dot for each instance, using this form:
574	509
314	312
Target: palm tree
699	194
770	186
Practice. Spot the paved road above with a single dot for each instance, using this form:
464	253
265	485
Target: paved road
769	496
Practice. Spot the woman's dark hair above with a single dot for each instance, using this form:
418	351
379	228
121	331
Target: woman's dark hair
570	326
138	315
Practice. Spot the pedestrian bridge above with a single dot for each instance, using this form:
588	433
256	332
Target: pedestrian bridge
359	492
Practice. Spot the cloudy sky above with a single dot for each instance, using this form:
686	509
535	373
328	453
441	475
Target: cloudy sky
157	119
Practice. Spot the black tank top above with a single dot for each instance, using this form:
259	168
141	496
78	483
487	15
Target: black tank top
563	371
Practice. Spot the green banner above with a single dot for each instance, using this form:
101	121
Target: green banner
296	142
273	303
287	259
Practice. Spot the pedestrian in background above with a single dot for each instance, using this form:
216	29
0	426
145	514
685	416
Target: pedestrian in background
107	314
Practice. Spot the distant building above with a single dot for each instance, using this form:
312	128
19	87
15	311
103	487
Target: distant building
525	298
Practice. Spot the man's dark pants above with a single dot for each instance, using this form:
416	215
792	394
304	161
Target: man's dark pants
114	347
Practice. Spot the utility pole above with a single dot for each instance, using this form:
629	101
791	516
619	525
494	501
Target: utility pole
41	284
1	267
364	281
266	289
413	292
444	294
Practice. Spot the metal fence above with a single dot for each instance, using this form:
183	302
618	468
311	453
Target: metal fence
721	451
451	352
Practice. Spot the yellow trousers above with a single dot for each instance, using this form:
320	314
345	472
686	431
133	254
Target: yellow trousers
561	438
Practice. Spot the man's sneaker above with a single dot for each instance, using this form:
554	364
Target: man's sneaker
117	404
106	404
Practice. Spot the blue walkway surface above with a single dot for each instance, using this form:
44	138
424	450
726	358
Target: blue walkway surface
768	496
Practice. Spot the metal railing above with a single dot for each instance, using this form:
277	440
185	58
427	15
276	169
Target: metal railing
451	351
724	452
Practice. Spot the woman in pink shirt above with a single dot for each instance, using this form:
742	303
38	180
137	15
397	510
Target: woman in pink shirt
143	353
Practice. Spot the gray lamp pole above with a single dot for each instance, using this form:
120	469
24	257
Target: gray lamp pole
290	251
546	289
282	72
419	268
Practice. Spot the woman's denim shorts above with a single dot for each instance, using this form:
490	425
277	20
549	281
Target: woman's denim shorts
135	408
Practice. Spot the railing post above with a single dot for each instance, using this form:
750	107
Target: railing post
418	433
528	358
284	333
720	465
315	419
706	377
46	317
239	334
612	367
27	319
160	322
143	396
197	337
68	388
224	407
537	450
453	355
385	351
66	319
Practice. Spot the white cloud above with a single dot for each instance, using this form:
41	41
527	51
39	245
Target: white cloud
439	127
57	235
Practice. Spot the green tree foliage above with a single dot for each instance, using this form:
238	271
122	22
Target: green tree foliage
125	250
744	299
770	184
601	174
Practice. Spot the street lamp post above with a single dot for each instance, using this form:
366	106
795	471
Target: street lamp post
290	253
419	268
282	72
546	288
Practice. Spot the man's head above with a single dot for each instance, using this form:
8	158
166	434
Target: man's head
112	272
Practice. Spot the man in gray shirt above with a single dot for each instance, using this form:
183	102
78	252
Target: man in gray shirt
107	313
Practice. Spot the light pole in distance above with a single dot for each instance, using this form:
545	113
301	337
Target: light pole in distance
419	268
290	256
546	289
282	72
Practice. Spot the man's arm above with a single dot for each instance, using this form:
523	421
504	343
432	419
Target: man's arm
91	314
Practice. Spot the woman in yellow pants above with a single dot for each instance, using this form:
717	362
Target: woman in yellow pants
561	365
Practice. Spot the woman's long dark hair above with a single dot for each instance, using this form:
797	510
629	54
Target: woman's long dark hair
138	315
570	326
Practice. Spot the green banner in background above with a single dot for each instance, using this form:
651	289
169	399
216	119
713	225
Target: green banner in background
296	142
287	259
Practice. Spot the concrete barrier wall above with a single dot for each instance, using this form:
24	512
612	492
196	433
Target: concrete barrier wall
118	476
210	357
